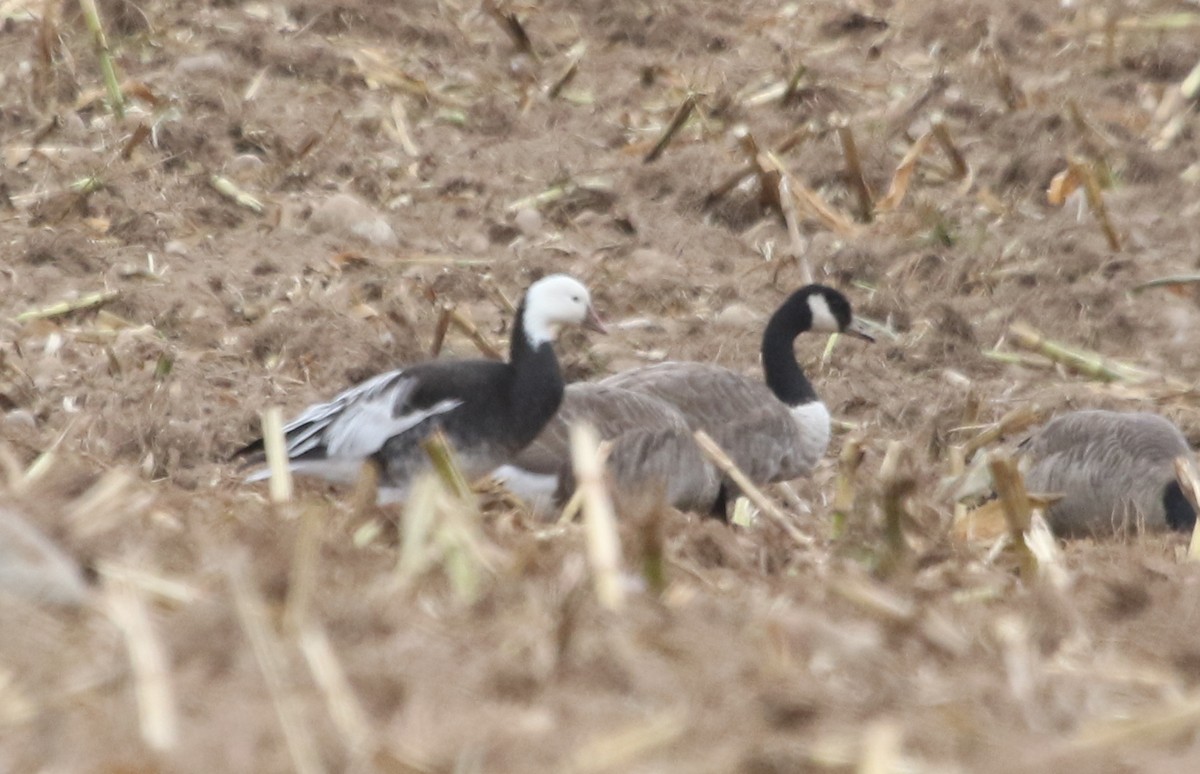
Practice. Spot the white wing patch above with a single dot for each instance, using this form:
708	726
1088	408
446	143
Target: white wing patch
363	431
358	421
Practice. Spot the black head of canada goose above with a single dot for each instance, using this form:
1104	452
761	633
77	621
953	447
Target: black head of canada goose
652	456
488	410
774	430
1114	470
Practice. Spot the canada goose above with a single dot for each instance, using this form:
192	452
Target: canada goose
1115	470
774	431
652	452
488	410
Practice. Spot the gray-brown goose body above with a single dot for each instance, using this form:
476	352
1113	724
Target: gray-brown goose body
653	456
1115	471
774	430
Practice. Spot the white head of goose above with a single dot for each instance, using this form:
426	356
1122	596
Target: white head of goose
488	410
774	431
1114	470
653	454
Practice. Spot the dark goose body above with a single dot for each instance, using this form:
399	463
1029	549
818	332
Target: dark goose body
488	410
773	431
653	454
1115	471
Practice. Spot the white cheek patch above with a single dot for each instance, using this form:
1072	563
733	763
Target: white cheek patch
822	316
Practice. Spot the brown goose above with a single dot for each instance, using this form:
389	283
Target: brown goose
1115	471
488	410
774	431
652	455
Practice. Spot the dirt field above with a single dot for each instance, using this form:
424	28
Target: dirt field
475	167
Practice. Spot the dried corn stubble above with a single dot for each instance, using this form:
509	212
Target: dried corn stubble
275	448
727	466
677	121
897	485
344	706
569	73
750	147
1178	284
806	199
959	167
600	521
157	709
1095	200
854	172
902	177
108	69
1018	512
468	326
796	243
1015	421
845	485
302	579
445	526
272	662
1083	361
512	27
234	193
83	303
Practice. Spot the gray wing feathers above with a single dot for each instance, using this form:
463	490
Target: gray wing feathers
662	464
611	411
743	416
1111	468
1142	434
358	421
766	445
701	391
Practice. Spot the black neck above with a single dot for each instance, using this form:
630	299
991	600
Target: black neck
780	369
518	346
537	384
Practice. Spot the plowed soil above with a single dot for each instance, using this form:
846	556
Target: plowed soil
480	160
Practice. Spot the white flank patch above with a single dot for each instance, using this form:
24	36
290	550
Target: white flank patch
536	489
815	430
822	317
